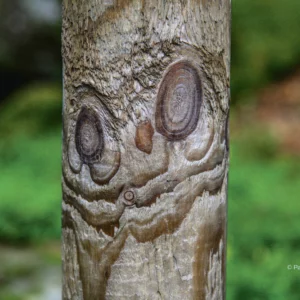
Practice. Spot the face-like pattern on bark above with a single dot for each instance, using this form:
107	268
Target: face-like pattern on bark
145	168
145	130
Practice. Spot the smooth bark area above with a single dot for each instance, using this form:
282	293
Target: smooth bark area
145	151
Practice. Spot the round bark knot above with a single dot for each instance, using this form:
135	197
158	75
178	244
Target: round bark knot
89	136
178	101
129	198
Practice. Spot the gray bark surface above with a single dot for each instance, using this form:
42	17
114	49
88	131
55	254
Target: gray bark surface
145	152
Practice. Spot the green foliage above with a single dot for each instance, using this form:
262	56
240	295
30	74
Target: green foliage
30	190
32	111
30	163
263	230
265	43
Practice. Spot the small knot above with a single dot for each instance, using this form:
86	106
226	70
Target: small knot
129	198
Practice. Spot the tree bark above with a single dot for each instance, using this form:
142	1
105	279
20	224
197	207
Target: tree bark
145	151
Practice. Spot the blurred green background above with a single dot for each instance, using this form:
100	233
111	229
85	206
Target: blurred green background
264	184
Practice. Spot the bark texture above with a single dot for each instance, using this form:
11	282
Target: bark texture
145	155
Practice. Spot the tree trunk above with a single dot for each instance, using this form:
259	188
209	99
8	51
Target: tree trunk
145	151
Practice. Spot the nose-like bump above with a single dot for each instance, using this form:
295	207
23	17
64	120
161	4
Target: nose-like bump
143	136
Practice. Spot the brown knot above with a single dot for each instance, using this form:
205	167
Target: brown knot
129	198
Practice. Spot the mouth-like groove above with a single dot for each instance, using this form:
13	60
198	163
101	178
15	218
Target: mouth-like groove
101	214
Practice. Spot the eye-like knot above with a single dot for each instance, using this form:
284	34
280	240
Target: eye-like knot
93	146
89	138
178	101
